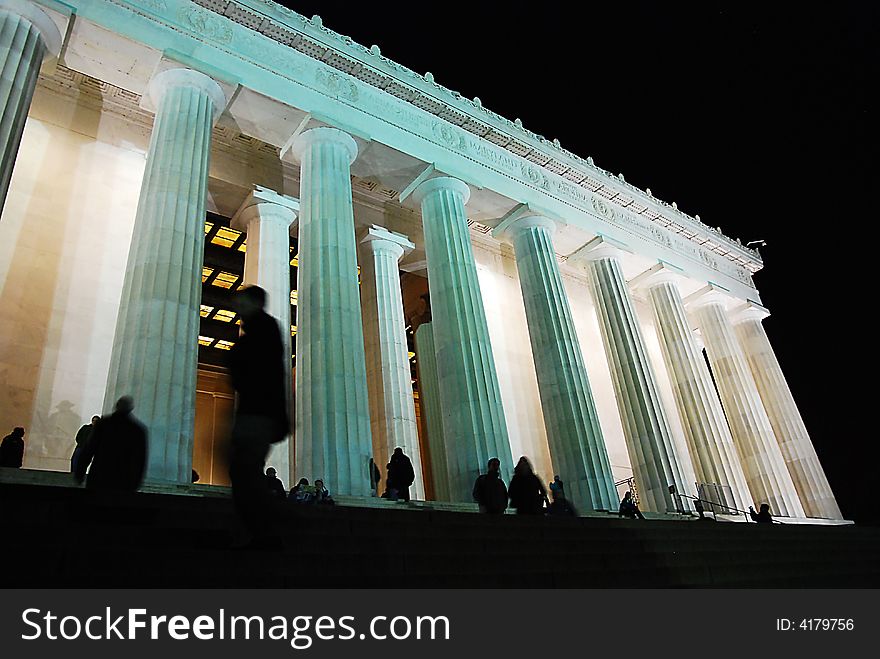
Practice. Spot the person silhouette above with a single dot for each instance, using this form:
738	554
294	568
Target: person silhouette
276	487
12	449
301	492
400	474
81	439
628	507
375	477
762	517
489	490
560	506
557	485
527	493
256	366
116	451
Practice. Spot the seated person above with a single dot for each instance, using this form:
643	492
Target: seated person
302	492
628	507
322	494
762	517
276	487
561	507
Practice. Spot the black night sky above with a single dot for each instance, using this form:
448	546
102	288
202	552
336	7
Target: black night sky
753	115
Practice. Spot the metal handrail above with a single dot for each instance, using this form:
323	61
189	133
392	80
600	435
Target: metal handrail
746	514
718	504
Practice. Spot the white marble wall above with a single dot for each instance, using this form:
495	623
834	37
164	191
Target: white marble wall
63	246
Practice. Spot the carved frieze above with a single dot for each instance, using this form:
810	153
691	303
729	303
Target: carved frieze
243	43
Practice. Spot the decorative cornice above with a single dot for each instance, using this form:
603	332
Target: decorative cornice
311	37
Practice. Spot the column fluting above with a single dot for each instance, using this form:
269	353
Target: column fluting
648	436
389	376
577	447
333	439
788	425
27	36
713	452
155	348
473	415
764	468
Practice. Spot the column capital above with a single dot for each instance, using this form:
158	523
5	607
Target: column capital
378	238
660	273
748	311
520	220
709	294
600	247
324	135
36	16
442	183
263	203
180	76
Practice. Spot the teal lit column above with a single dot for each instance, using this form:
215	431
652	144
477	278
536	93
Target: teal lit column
648	436
155	348
333	439
27	36
577	447
473	417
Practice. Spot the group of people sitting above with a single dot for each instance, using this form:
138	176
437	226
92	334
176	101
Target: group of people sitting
302	492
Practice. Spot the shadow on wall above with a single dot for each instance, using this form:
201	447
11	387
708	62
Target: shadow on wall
42	197
56	431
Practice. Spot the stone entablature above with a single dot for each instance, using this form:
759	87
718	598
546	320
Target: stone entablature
368	65
336	81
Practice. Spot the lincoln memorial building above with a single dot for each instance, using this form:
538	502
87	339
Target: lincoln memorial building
449	282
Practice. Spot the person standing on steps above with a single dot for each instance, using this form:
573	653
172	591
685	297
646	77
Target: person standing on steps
490	492
400	474
82	439
256	364
375	477
116	450
12	449
527	493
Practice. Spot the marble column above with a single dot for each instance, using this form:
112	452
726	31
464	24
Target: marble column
713	452
577	447
649	438
267	217
332	407
788	426
473	416
27	36
429	392
766	474
155	348
389	376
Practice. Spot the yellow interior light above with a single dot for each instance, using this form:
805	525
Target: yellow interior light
225	279
225	237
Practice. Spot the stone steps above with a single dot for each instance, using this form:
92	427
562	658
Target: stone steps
63	536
